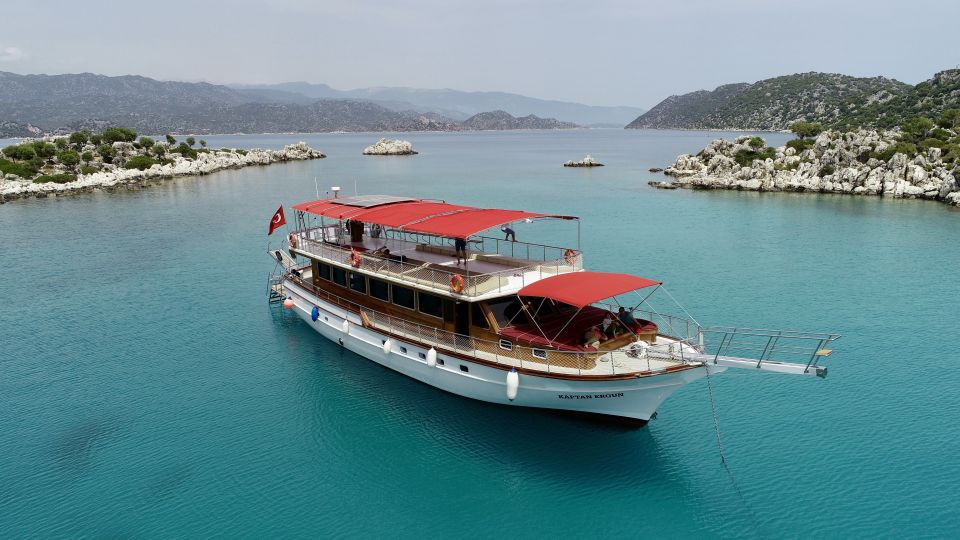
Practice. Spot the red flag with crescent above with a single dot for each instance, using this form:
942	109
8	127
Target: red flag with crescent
277	220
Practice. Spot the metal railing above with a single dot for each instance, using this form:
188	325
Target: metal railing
655	358
425	274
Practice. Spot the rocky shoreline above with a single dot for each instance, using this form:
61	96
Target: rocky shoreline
117	178
863	162
390	147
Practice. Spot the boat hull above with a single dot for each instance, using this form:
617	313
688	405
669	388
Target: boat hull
631	400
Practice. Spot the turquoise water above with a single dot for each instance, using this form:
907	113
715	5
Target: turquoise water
149	391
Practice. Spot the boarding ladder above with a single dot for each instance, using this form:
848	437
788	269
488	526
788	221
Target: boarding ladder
781	351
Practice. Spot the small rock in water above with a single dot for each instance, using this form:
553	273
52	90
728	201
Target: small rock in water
585	162
656	169
390	147
662	185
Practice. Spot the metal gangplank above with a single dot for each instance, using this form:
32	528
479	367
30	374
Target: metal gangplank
275	290
780	351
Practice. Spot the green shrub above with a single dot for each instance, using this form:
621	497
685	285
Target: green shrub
159	150
745	157
898	148
243	152
949	119
756	142
827	170
22	152
87	156
60	143
933	143
55	178
191	141
88	169
806	129
916	128
119	134
203	143
940	133
140	162
68	158
171	140
800	144
185	150
23	170
146	142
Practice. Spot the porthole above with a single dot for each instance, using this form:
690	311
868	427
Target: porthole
464	368
423	356
439	361
403	350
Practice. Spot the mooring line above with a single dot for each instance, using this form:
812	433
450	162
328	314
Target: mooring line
723	458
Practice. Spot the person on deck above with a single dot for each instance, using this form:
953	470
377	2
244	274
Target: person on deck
591	338
508	232
609	327
460	244
626	317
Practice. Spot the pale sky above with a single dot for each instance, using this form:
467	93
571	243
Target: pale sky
599	52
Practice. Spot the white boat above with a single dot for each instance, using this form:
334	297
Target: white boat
508	322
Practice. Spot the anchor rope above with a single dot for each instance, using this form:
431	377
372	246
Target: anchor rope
723	458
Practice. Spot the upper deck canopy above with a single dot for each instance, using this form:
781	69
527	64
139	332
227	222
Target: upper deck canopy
581	289
418	215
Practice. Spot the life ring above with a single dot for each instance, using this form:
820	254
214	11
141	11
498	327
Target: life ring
292	240
456	283
570	256
354	258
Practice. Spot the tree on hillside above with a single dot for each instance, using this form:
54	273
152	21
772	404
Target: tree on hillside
191	141
203	143
916	128
79	138
146	142
806	129
68	158
950	119
22	152
171	140
118	134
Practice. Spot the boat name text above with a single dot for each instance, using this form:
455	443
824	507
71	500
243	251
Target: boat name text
589	396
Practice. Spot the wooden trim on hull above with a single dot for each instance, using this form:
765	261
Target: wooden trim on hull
502	367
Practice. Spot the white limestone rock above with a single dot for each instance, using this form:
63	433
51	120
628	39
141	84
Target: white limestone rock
390	147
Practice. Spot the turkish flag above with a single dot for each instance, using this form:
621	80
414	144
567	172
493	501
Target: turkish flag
277	220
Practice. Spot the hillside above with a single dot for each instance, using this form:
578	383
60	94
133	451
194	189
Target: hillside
459	105
771	104
502	120
929	99
32	104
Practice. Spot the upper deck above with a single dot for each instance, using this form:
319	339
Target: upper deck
494	267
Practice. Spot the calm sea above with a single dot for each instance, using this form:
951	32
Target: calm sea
147	389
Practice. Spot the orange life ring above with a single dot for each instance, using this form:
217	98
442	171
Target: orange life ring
292	240
570	255
456	283
354	258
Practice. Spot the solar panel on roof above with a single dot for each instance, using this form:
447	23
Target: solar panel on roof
369	201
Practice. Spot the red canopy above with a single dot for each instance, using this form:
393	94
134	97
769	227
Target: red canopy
584	288
417	215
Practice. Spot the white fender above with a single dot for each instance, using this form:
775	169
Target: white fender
432	357
387	345
513	384
345	327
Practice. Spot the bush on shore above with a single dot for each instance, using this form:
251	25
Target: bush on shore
140	163
55	178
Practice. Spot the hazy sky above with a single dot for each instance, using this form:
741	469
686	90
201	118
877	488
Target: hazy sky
603	52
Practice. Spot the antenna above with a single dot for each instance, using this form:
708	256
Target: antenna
336	191
316	186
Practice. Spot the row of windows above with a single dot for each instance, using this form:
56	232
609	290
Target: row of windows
388	292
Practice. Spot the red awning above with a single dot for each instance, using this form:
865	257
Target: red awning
584	288
420	216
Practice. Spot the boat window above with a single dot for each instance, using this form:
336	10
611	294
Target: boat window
358	282
479	319
402	296
506	345
430	304
540	353
506	310
339	276
325	271
380	289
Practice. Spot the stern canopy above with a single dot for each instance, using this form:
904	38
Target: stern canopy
580	289
418	215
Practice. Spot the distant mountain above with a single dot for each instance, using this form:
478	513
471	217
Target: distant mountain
771	104
502	120
30	104
460	104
